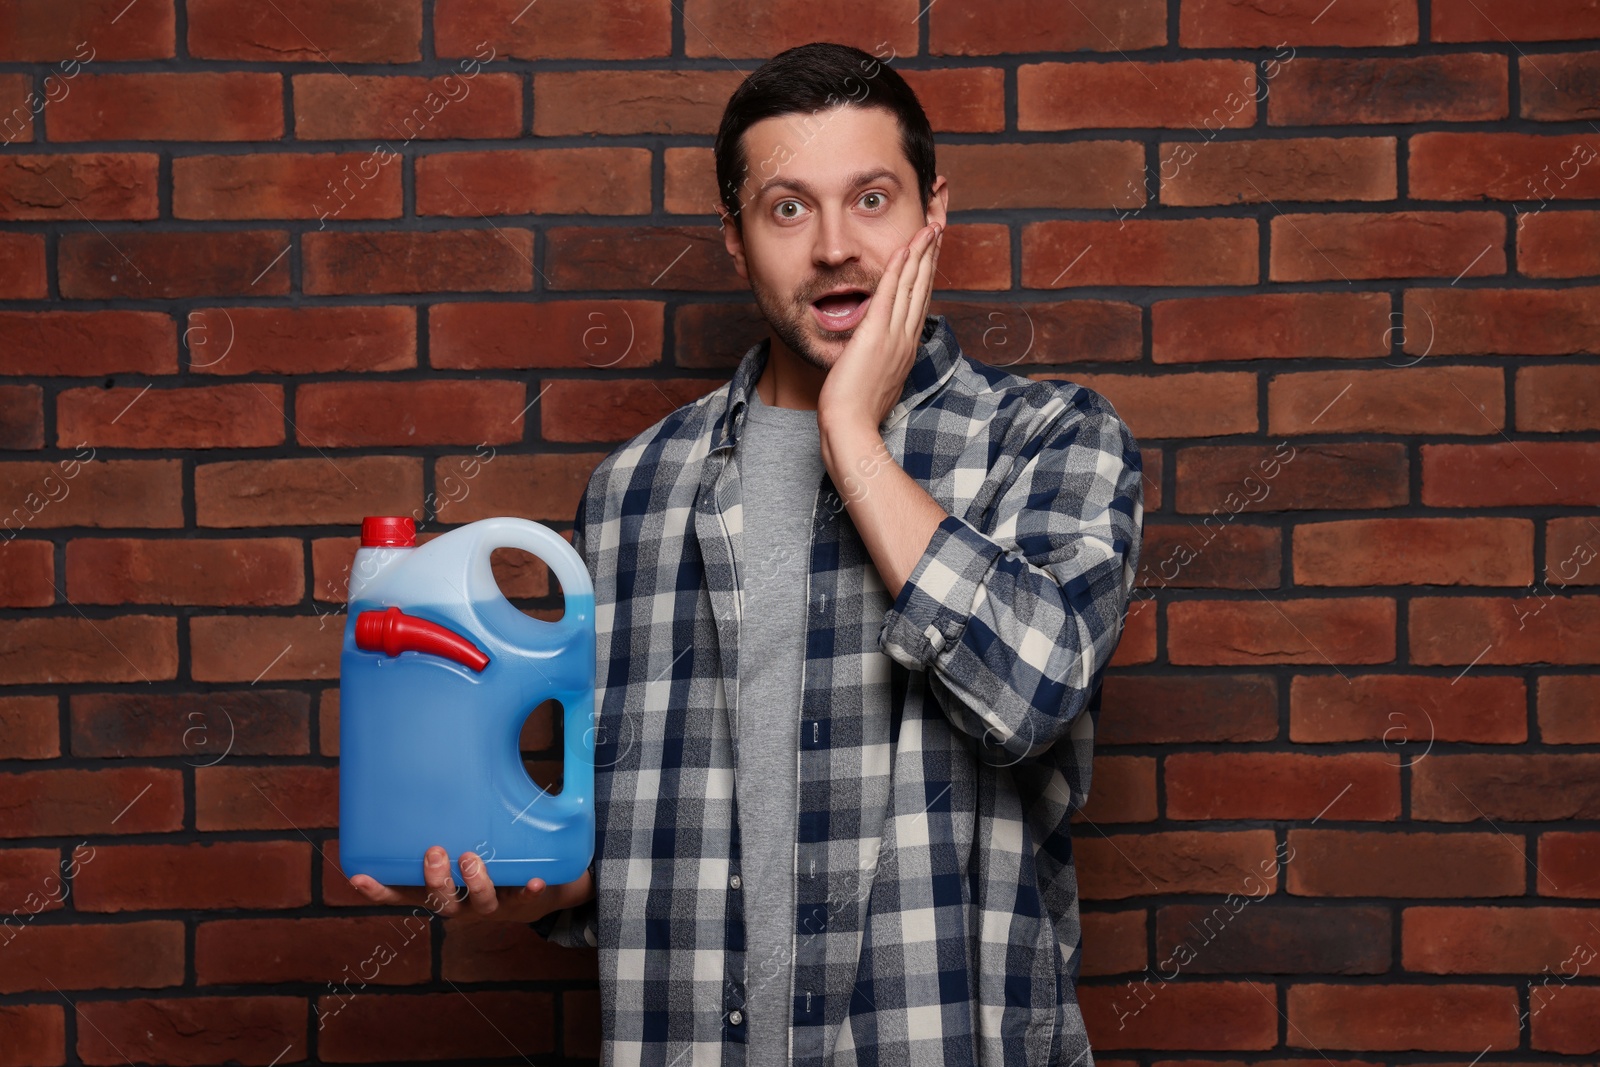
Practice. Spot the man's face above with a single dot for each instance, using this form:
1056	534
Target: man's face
828	198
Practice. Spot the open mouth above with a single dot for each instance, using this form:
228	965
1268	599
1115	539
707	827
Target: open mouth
841	311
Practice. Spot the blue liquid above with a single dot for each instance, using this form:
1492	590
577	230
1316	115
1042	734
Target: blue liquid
429	748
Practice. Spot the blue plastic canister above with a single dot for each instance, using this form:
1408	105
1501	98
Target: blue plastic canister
438	674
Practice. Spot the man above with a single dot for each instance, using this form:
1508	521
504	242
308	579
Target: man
853	610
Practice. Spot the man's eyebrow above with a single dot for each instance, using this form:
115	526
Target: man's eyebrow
856	180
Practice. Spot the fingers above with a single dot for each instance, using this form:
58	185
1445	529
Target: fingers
379	893
480	887
441	887
912	288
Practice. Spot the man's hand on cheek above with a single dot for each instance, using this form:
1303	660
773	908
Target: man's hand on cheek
866	381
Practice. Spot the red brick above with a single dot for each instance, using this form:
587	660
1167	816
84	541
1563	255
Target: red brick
285	185
604	334
548	181
495	260
580	102
632	31
1412	400
1179	861
1558	244
1503	166
16	124
1281	785
305	340
1232	24
572	409
740	30
1193	1015
979	258
1139	252
1462	1018
1363	863
21	417
637	257
1536	629
1533	788
1234	938
437	412
961	99
1364	552
1138	642
88	343
1407	713
1020	335
1560	86
221	874
48	650
1100	25
1551	399
1511	322
475	1024
191	106
273	951
313	492
1226	479
191	1031
1569	864
1566	1023
22	267
1178	709
328	724
1569	709
1271	326
398	109
93	492
35	1033
1124	790
29	729
280	797
1527	472
1253	172
155	265
1489	940
1209	94
28	580
509	952
89	185
1345	630
63	803
203	727
1206	404
193	417
1500	20
1113	942
100	956
363	31
1402	244
252	648
543	487
1211	555
1091	174
44	31
189	571
1459	87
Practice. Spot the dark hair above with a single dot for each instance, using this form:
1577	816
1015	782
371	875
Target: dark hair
810	78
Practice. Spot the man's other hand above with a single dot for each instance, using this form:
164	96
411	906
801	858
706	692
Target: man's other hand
520	904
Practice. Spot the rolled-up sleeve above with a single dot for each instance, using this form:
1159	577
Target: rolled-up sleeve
1015	623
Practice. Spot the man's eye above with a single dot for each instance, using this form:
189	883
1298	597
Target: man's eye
787	203
877	196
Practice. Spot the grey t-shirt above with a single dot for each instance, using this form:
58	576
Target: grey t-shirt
780	467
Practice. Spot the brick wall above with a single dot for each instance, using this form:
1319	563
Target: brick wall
267	268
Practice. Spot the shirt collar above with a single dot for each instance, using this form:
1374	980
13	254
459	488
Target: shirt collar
936	359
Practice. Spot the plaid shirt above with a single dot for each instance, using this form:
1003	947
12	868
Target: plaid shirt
943	740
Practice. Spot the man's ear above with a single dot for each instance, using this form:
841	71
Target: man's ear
939	201
732	240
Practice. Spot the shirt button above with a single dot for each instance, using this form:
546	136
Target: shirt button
734	881
736	1016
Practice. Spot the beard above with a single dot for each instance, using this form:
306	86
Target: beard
795	324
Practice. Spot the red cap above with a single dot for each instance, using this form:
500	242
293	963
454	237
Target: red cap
388	531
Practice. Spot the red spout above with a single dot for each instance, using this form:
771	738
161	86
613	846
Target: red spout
393	632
